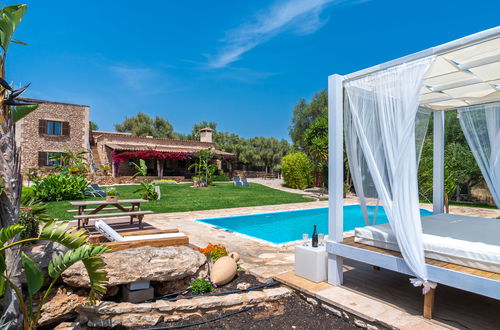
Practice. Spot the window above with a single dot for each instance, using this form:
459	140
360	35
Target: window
52	158
54	127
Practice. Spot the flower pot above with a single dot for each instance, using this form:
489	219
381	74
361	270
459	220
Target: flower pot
111	198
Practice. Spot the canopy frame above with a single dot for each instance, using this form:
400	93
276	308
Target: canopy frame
336	250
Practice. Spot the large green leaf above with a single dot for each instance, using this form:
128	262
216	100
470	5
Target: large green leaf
60	263
10	17
34	276
21	111
8	233
98	277
63	235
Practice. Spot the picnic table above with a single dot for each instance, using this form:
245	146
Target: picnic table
90	210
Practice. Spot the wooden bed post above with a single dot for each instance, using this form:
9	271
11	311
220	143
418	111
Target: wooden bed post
429	303
335	175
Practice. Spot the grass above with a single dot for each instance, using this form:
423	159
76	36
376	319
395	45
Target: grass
181	198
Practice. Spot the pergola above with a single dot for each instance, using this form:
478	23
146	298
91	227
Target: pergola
375	110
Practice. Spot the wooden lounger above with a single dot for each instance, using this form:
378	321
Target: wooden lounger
158	242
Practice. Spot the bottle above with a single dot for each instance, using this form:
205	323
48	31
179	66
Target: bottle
315	238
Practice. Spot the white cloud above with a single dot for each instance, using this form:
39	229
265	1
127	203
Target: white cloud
134	78
298	16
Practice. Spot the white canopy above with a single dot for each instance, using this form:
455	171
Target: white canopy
381	105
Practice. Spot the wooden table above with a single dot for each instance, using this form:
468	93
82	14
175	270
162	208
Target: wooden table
103	205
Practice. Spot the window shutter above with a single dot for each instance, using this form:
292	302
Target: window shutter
65	128
42	126
42	158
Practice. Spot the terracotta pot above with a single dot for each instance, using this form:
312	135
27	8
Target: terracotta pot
224	269
111	198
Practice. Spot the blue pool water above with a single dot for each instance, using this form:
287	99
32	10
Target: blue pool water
283	227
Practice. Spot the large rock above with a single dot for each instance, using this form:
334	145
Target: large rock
142	264
42	253
61	306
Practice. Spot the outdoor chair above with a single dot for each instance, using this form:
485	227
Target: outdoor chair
95	190
244	182
237	181
154	238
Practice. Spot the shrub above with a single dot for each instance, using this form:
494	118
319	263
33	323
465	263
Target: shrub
214	252
59	187
148	191
201	285
297	170
111	191
220	178
31	214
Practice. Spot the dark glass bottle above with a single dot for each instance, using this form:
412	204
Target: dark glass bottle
315	238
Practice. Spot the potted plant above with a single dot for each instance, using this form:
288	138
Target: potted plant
111	194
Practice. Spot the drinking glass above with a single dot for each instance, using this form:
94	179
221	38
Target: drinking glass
305	237
321	238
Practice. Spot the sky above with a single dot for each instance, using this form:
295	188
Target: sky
242	64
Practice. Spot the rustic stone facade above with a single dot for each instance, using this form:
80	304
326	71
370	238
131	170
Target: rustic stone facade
32	136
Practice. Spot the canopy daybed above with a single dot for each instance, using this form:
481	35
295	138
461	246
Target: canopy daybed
383	113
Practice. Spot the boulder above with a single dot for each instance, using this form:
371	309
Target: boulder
42	253
145	263
61	305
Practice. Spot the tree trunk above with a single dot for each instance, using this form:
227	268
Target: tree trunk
446	204
10	172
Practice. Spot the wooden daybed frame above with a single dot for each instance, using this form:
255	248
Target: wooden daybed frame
159	242
465	278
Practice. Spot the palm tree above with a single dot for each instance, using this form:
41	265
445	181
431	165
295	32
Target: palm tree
11	110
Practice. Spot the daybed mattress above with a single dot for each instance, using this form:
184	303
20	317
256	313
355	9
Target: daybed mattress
469	241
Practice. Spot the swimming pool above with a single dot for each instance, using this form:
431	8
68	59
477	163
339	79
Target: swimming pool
288	226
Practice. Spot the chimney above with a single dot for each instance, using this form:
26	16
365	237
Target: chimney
206	134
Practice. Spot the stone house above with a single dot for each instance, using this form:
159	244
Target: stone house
54	127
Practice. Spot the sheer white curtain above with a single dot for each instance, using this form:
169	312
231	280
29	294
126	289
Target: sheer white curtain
380	122
481	127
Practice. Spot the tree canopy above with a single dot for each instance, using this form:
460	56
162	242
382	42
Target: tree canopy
143	125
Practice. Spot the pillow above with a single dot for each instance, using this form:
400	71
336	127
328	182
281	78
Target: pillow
108	232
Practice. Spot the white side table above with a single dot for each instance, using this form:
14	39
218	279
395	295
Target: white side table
311	263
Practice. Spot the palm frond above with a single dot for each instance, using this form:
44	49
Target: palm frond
8	233
98	277
60	263
63	235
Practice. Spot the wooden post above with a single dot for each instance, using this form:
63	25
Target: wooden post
429	303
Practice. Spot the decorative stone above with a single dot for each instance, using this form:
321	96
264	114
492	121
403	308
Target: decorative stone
62	305
42	253
243	285
141	264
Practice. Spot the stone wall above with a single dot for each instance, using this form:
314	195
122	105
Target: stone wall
32	141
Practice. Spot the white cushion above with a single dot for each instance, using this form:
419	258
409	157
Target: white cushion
155	236
108	232
469	241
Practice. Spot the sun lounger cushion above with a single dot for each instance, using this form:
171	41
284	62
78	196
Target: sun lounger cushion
469	241
108	232
154	236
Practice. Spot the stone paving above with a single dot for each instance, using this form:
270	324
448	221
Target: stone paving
266	261
260	258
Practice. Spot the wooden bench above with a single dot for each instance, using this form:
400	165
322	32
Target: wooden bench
132	214
160	242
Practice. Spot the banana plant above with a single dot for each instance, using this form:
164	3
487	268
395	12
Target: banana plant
79	250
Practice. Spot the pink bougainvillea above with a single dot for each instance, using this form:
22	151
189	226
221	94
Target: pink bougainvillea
119	157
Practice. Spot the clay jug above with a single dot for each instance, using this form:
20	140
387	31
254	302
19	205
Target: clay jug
224	269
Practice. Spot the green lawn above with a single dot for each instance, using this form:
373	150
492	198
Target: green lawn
181	197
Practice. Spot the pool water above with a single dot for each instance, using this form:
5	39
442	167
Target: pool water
288	226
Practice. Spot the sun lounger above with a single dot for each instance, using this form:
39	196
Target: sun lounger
237	181
155	238
95	190
244	182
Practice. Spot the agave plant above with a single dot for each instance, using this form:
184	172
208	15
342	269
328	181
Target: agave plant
79	250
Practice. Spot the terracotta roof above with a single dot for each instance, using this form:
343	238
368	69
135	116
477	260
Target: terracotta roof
126	138
140	147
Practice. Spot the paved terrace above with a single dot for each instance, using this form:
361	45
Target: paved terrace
369	294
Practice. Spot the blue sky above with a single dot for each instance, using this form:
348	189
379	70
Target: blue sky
243	64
